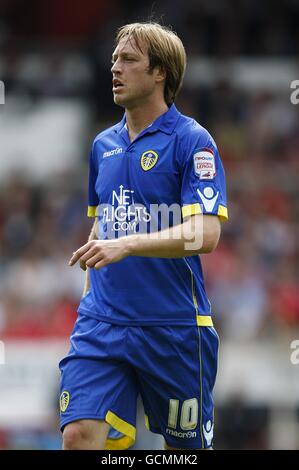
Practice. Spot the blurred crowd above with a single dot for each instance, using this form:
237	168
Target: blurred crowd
62	53
233	27
65	49
253	276
39	229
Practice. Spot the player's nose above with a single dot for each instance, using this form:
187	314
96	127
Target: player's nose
115	67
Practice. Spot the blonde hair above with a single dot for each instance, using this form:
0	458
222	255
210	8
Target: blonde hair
165	50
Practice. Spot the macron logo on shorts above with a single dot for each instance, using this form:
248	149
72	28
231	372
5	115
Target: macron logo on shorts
208	431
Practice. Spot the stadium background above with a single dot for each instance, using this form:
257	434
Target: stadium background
54	61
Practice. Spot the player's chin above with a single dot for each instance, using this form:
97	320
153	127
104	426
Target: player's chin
121	100
118	98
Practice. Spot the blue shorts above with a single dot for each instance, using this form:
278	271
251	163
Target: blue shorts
172	367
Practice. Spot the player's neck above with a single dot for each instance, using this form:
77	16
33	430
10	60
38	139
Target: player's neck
141	117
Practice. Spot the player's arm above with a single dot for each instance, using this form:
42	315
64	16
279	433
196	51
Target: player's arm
92	236
197	234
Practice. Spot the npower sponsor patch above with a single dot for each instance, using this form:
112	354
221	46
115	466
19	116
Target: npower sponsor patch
204	164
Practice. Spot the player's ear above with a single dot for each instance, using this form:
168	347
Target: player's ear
160	74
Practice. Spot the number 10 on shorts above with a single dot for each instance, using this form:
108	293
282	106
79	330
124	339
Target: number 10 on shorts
189	414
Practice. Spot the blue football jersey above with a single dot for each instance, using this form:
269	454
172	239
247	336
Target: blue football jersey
172	164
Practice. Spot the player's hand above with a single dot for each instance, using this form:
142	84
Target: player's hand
100	253
83	265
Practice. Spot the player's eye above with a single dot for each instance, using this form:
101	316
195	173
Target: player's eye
130	59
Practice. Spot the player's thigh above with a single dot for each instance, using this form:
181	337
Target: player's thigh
85	434
177	383
96	383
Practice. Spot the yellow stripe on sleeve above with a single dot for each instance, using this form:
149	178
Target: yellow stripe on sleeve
92	211
191	209
194	209
222	213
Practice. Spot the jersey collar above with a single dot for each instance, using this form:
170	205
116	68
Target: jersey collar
165	123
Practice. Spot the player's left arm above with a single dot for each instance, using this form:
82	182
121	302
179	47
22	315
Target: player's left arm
197	234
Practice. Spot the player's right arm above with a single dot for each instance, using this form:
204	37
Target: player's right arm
93	202
92	236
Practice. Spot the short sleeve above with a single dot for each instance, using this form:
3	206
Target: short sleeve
93	199
203	179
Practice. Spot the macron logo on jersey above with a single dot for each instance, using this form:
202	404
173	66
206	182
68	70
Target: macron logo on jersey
113	152
208	198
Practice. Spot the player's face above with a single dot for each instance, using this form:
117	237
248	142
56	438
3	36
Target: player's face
133	84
